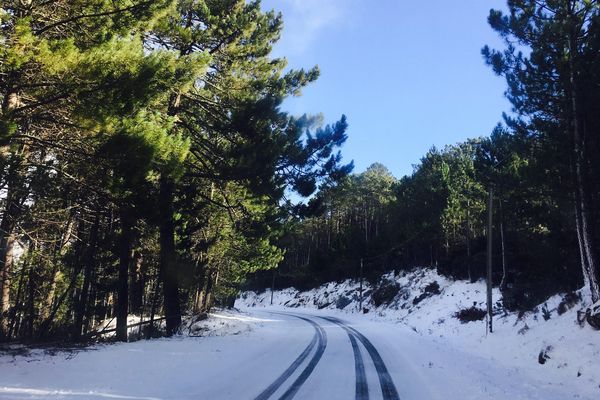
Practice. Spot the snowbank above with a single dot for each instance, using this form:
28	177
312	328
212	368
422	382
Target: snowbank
539	343
220	323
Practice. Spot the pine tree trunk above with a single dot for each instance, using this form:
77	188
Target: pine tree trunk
14	324
81	303
126	243
200	291
153	307
6	245
6	257
582	259
584	234
137	284
90	309
31	302
168	266
207	301
503	282
56	273
49	298
468	239
11	101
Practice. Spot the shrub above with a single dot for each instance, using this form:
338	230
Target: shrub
432	288
385	293
592	315
546	313
428	291
569	301
342	302
470	314
544	355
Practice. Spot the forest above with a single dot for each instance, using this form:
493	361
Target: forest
147	167
144	159
541	165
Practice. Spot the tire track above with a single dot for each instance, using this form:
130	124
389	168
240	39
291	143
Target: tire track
362	387
292	390
319	340
388	389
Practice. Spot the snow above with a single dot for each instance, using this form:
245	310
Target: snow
515	344
106	328
236	354
223	323
182	367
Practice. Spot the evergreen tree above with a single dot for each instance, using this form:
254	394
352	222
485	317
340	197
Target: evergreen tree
553	90
70	70
231	117
144	153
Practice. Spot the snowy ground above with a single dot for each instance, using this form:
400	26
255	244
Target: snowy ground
239	354
515	345
183	367
241	366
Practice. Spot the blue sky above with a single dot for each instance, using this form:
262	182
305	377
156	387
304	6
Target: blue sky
408	74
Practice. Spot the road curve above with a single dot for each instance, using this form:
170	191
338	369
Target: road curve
320	341
388	389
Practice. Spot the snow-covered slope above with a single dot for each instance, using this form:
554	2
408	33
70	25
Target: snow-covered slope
428	302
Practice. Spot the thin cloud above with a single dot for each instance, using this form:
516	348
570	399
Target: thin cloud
305	20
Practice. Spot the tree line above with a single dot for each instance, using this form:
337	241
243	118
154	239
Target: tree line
144	159
541	163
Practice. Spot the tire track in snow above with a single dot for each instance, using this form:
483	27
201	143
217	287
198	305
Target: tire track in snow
388	389
362	387
292	390
320	340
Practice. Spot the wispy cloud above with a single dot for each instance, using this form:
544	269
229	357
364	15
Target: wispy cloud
305	20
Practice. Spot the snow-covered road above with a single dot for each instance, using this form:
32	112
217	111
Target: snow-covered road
287	354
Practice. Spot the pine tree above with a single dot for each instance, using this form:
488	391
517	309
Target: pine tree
68	70
232	118
553	90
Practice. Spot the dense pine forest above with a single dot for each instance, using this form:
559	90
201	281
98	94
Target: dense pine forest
147	167
144	159
541	165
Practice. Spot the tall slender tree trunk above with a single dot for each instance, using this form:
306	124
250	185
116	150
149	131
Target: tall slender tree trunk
366	223
71	290
582	259
136	295
81	303
49	298
503	282
468	239
168	261
586	246
126	243
7	225
31	315
11	100
211	282
153	307
16	311
200	290
89	319
6	259
60	251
